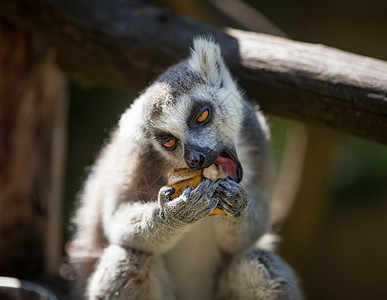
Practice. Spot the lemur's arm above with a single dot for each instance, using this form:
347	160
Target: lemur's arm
155	227
140	226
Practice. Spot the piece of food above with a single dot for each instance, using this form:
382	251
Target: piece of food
180	178
214	172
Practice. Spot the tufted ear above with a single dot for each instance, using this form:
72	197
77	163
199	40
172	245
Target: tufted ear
207	60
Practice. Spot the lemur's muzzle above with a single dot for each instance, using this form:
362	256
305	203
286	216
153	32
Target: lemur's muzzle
200	158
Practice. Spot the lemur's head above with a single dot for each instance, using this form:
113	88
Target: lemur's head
193	112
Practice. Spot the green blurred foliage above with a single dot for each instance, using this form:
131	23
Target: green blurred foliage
359	174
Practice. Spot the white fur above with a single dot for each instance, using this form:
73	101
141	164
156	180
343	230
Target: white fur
206	59
196	272
130	127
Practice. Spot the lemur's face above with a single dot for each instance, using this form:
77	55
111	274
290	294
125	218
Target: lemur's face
194	112
197	130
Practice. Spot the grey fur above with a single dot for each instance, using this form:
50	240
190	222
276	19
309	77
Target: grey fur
133	242
181	78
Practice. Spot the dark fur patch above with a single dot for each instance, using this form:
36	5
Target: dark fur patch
180	78
196	110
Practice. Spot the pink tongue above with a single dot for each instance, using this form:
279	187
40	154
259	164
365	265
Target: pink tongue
228	165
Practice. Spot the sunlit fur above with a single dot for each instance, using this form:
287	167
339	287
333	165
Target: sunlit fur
128	246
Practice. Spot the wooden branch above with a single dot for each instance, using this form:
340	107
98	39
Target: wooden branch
123	44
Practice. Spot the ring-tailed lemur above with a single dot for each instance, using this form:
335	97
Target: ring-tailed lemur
134	242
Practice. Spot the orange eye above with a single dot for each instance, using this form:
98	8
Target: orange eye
203	116
169	143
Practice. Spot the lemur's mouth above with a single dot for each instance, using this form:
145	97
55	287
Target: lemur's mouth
230	165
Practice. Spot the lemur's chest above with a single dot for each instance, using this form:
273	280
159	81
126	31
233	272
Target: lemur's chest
194	261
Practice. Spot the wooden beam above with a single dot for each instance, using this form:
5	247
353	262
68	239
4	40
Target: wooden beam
125	44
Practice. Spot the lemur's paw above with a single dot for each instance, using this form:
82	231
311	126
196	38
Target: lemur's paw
232	197
192	205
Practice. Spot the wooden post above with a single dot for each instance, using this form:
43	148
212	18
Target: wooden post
32	135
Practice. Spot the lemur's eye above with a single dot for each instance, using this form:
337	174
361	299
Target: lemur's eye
170	143
203	116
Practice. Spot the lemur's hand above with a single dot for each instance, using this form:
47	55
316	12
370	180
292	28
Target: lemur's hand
232	197
192	205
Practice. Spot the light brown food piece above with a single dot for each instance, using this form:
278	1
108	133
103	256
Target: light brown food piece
180	178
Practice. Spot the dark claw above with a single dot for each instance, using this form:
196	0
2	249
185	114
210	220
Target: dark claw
237	214
170	191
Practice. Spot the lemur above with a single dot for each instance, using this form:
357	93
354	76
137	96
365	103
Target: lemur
132	241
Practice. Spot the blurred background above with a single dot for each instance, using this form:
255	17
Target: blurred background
330	194
334	234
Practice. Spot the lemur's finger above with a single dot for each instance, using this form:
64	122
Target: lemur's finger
208	200
228	209
230	185
203	187
164	194
187	193
228	197
203	207
182	200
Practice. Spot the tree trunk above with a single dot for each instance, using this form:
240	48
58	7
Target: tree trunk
32	119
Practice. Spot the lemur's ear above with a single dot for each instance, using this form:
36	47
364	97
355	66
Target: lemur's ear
207	60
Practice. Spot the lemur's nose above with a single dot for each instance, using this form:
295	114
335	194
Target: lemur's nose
196	160
199	157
